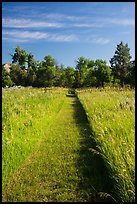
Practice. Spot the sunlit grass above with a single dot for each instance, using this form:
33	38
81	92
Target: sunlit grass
111	113
53	170
25	115
47	148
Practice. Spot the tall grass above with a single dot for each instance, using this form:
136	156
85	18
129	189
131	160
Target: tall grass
111	112
59	169
25	115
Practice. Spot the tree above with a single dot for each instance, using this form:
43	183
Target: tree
32	69
120	62
20	56
46	72
31	61
91	64
70	76
81	66
45	76
77	79
102	72
131	74
31	76
6	79
18	75
49	61
60	78
89	75
91	79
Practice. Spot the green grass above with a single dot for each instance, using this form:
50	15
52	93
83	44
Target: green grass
56	148
111	113
49	174
60	167
25	115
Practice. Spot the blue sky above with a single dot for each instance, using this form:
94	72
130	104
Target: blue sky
67	30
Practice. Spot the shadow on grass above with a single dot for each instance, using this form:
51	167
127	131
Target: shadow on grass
95	184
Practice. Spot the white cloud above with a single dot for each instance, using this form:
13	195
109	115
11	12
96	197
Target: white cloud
81	23
98	40
58	16
117	21
14	40
63	38
90	25
101	22
102	41
24	36
39	35
124	22
28	23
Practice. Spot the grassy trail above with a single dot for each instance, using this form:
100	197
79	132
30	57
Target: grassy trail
62	167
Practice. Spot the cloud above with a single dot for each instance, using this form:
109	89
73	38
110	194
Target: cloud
63	38
58	16
124	22
117	21
17	40
27	35
98	40
101	41
81	23
28	23
91	22
90	25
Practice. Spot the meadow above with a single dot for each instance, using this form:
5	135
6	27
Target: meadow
47	145
26	113
111	113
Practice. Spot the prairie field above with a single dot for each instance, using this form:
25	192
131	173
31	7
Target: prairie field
59	145
111	113
25	115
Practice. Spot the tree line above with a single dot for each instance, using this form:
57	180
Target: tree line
26	71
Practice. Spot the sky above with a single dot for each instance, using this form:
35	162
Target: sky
67	30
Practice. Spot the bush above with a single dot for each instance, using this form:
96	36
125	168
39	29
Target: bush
6	80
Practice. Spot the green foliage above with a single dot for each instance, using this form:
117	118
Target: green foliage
91	63
19	56
6	79
130	77
81	66
70	76
18	75
60	78
82	63
77	79
31	75
46	72
45	76
49	61
31	62
120	62
102	72
87	73
90	77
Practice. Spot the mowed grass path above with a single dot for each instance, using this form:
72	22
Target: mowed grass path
62	167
